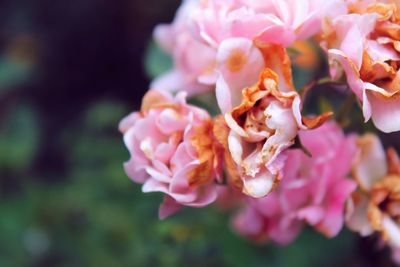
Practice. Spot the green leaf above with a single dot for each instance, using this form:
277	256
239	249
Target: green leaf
157	61
19	137
13	73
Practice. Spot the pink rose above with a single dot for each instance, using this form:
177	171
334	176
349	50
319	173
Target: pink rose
259	129
278	22
291	20
193	60
365	45
222	42
313	190
172	151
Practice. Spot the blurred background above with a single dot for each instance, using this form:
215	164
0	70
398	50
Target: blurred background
69	71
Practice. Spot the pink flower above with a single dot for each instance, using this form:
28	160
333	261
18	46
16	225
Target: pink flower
292	20
223	42
376	207
365	45
193	60
259	129
313	190
172	151
278	22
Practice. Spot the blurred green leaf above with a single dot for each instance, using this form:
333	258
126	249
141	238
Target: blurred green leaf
104	114
19	138
12	73
156	61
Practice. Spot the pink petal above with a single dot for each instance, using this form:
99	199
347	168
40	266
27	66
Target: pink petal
385	111
312	214
168	208
333	218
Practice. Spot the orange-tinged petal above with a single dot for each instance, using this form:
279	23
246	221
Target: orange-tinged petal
370	163
221	133
203	143
155	99
315	122
277	59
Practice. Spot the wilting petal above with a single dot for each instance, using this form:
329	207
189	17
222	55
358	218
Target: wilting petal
240	63
260	185
357	214
370	164
281	120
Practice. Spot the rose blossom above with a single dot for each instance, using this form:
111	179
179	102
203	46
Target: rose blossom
172	151
220	42
264	124
365	44
279	22
313	190
376	207
193	60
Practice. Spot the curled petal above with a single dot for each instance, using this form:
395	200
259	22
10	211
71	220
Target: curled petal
357	214
260	185
370	163
385	107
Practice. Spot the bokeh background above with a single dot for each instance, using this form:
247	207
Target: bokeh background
69	71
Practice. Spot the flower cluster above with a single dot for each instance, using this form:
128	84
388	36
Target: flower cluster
278	168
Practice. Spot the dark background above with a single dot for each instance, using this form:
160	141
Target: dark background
69	71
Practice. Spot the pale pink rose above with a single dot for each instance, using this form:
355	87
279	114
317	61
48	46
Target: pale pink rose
193	60
292	20
222	42
365	44
218	20
259	129
278	22
172	151
376	207
313	190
